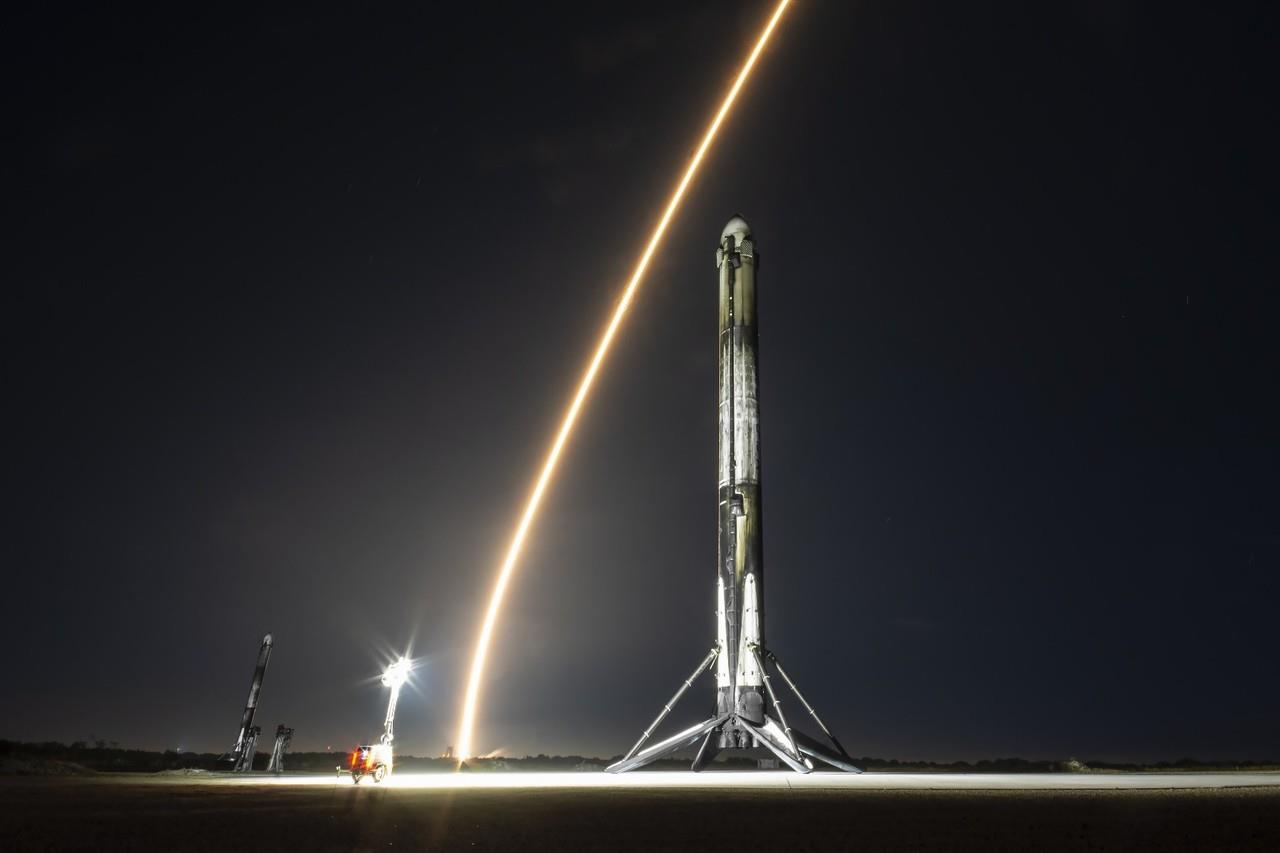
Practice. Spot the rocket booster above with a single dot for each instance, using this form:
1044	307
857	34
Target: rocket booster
247	738
739	683
748	711
255	686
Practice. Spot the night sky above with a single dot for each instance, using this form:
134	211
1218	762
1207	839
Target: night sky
296	300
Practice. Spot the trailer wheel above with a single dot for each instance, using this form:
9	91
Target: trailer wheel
379	772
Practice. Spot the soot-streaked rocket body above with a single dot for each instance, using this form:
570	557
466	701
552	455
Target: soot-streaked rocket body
748	712
739	548
241	755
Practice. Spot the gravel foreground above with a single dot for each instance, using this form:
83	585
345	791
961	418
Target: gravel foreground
56	814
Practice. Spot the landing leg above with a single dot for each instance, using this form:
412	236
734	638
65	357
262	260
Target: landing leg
813	749
706	752
777	703
776	741
796	690
666	709
679	740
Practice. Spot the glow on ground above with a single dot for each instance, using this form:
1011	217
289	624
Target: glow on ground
735	780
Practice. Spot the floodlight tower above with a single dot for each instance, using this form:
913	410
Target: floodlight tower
394	677
377	759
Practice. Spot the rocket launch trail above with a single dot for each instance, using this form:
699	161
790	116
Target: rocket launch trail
480	655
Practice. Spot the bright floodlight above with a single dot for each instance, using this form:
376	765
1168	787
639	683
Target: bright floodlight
398	673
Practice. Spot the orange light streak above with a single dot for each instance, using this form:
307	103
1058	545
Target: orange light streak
481	654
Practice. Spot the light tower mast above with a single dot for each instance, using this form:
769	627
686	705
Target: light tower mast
377	759
394	677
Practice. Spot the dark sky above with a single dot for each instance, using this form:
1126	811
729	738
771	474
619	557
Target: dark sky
296	301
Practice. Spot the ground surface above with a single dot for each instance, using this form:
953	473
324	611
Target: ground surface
659	811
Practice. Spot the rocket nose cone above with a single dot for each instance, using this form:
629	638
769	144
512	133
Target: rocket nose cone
738	227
